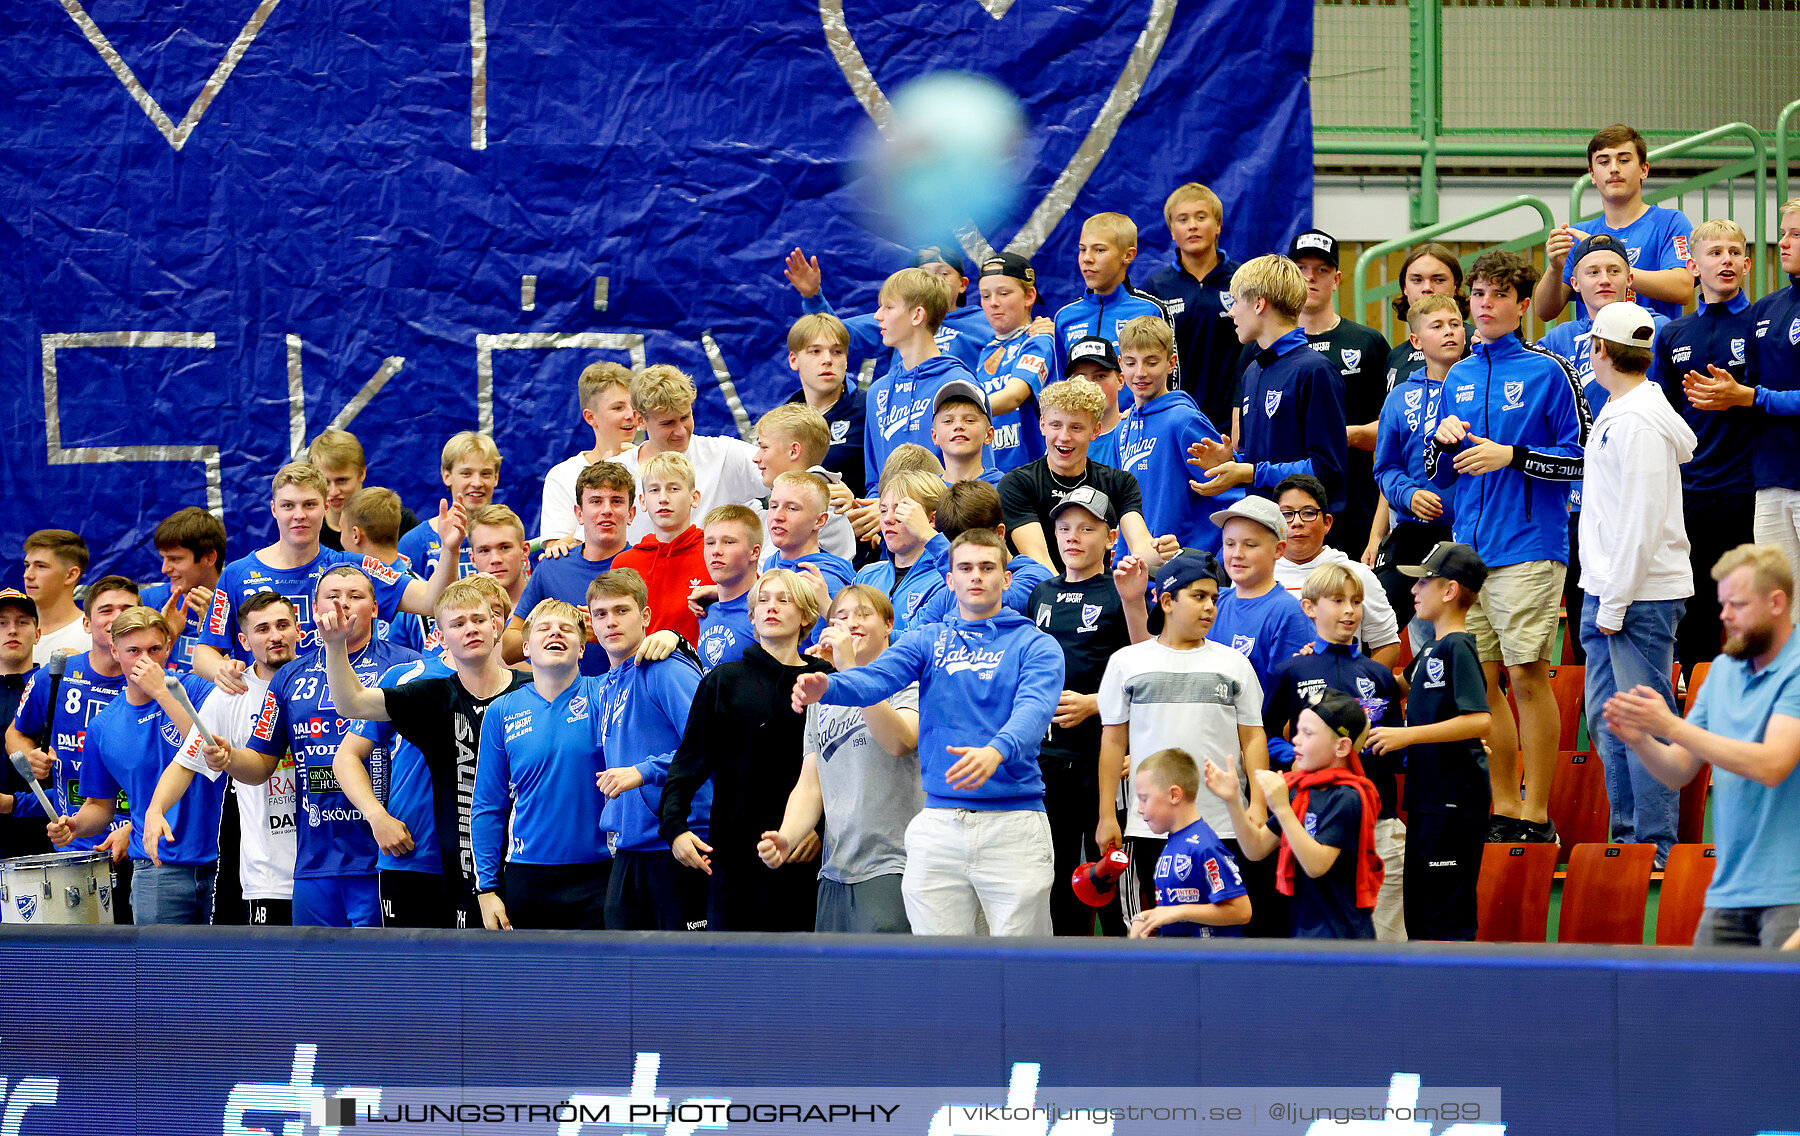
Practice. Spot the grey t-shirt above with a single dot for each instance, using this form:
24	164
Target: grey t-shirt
870	795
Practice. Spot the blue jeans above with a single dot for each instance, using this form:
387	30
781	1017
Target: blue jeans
1642	653
172	893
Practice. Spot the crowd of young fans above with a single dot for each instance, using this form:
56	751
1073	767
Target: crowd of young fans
1139	574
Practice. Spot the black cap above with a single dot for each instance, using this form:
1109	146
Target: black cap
1092	349
1009	264
1600	242
1342	714
1451	561
1186	568
13	597
1315	242
1091	499
941	254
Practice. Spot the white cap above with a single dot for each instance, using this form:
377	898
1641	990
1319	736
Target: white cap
1625	322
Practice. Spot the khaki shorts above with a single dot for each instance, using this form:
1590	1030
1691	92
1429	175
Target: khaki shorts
1514	619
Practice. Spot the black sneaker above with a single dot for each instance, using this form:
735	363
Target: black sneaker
1502	829
1536	833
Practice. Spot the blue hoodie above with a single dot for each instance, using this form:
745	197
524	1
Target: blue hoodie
1095	314
990	682
898	409
960	336
1027	574
1408	418
642	711
1152	442
1527	398
1775	369
1291	417
923	580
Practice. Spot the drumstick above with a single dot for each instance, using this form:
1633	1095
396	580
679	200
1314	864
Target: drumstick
24	768
181	694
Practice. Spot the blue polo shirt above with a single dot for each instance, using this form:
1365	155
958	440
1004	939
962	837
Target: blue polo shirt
1756	828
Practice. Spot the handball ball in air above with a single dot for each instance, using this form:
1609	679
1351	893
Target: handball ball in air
951	155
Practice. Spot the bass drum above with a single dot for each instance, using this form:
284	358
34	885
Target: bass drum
62	887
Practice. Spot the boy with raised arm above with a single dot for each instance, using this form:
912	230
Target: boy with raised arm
441	715
1199	893
1511	429
1323	834
603	495
918	555
335	880
989	683
470	468
603	390
541	856
742	736
642	708
859	776
963	330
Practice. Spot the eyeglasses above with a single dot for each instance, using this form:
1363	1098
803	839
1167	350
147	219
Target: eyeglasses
1308	514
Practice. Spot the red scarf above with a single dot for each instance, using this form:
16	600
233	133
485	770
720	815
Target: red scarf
1369	868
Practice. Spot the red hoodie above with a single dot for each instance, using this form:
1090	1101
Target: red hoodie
670	570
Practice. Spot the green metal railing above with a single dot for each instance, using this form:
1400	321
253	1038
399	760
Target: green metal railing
1784	151
1363	295
1753	162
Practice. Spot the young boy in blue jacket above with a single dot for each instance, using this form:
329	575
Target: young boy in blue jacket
641	708
1408	420
1154	435
963	330
1291	408
1107	246
989	682
1772	385
1512	427
1718	487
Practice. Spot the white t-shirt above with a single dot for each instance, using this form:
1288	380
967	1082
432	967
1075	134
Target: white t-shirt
1191	700
1379	628
72	638
723	472
556	517
266	848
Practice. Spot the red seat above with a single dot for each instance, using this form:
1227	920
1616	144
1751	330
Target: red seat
1604	894
1577	803
1696	680
1683	896
1513	893
1691	827
1568	684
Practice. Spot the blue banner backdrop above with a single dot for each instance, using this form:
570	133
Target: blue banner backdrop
173	1030
231	224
